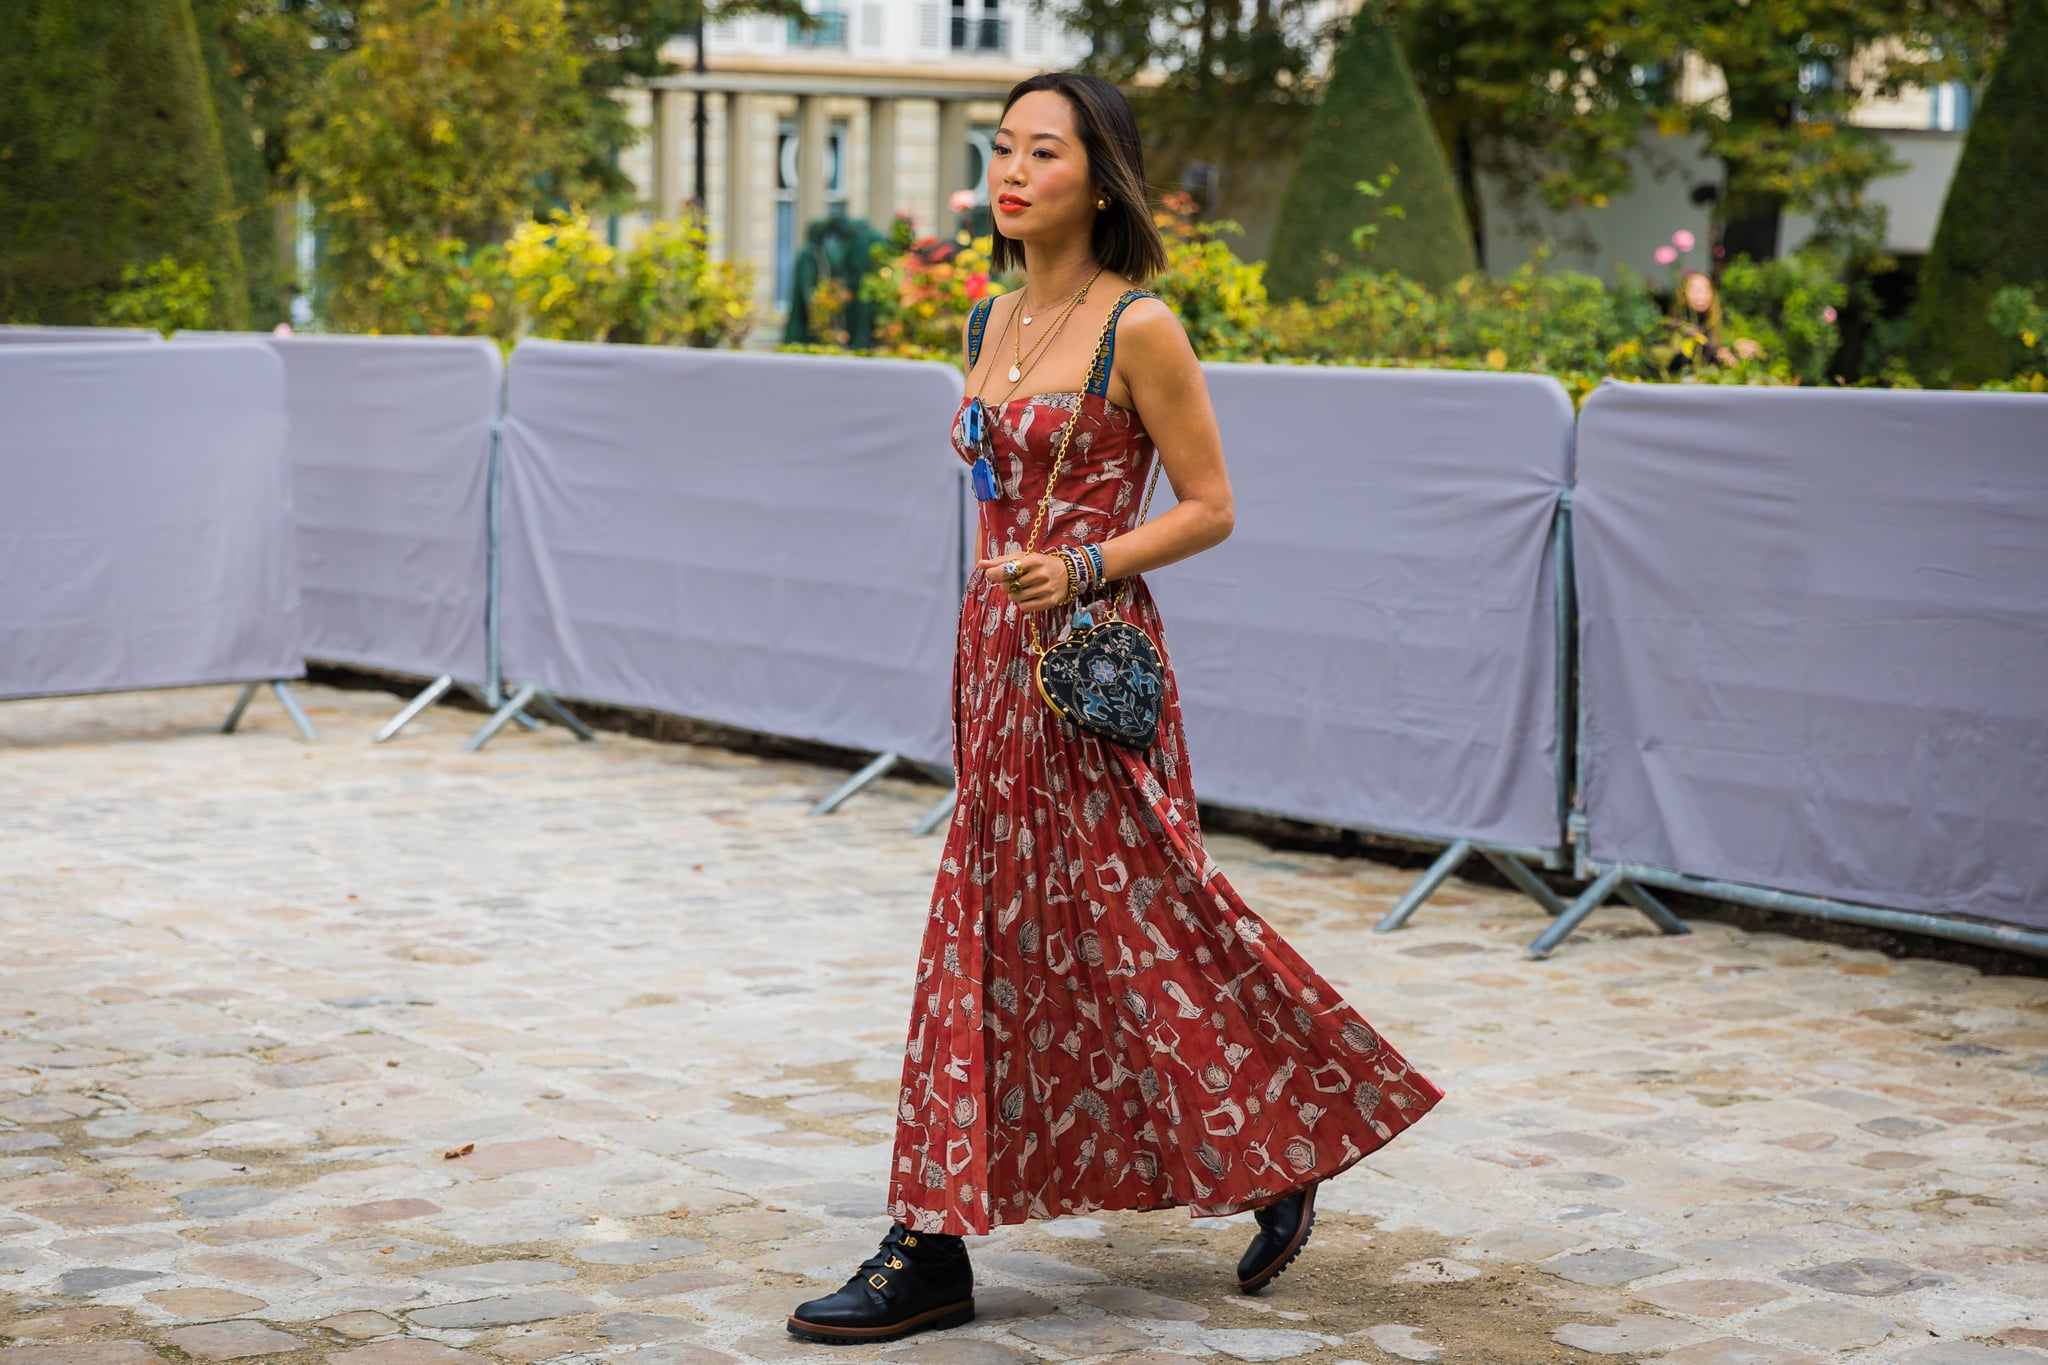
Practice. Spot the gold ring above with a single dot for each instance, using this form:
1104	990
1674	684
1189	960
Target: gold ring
1013	568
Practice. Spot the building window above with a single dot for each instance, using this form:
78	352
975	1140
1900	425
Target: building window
1950	111
827	34
982	31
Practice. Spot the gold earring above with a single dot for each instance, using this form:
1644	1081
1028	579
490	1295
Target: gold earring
1102	203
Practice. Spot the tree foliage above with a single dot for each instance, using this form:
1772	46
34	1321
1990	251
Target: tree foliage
1370	120
1994	225
1553	94
110	157
438	125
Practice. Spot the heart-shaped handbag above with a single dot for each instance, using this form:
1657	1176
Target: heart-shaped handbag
1108	679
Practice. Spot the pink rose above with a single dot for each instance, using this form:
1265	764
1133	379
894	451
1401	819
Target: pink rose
962	201
1667	255
1828	313
977	285
1683	240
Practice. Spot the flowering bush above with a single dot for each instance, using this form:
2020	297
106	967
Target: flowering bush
1220	299
672	293
2021	316
922	290
434	289
561	280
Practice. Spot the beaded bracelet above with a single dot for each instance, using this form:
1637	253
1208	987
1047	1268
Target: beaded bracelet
1094	553
1068	558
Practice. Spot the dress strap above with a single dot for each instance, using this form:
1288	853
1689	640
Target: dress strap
977	323
1105	349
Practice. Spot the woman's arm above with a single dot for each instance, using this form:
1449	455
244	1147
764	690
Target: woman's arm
1171	396
1165	386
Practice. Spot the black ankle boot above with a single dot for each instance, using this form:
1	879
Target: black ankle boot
916	1282
1283	1231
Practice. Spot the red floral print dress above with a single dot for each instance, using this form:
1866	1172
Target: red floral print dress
1100	1021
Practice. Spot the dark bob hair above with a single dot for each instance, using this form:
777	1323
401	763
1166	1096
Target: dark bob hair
1126	240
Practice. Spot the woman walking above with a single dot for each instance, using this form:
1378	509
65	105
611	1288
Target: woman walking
1099	1021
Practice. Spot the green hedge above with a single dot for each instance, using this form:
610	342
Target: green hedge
110	157
1371	117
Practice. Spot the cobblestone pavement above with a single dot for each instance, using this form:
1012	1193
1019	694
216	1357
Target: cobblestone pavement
397	1056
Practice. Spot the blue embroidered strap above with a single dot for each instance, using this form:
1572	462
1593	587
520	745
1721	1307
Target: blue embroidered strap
977	323
1105	349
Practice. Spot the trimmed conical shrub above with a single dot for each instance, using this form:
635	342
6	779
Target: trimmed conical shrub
1371	117
110	156
1994	224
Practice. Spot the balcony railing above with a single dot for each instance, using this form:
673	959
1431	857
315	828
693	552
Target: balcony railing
828	31
980	34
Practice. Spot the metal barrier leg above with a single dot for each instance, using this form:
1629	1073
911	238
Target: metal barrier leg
501	718
853	784
1453	858
427	697
1638	895
492	701
290	701
241	705
1526	881
1588	901
937	815
553	707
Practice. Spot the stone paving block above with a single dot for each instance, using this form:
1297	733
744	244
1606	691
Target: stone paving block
502	1312
1735	1351
1036	1268
403	1351
1607	1266
1968	1353
204	1303
385	1211
360	1325
533	1154
63	1323
1403	1340
961	1351
1126	1302
81	1353
99	1278
1708	1298
628	1328
1262	1343
109	1214
1080	1336
114	1246
672	1282
494	1273
1870	1276
647	1251
243	1268
225	1201
1629	1334
231	1340
1827	1326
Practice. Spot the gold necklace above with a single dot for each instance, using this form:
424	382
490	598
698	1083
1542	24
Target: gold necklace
1017	339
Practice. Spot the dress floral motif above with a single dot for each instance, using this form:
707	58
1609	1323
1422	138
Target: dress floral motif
1100	1021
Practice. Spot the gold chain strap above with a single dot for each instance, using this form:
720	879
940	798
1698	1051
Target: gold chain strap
1059	459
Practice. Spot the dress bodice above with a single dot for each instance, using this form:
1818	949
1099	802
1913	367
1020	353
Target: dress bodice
1101	485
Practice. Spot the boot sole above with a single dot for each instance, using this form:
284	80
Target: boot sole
1287	1257
935	1319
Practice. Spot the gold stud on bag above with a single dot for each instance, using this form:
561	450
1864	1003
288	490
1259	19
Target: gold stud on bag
1106	677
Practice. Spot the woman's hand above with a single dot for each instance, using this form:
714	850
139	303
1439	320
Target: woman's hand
1040	583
